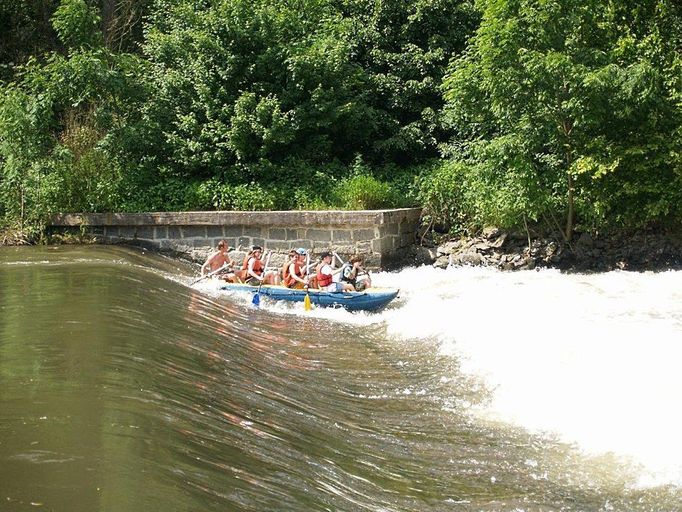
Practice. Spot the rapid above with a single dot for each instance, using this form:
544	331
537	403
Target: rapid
124	388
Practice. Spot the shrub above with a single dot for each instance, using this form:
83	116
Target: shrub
243	197
365	192
441	191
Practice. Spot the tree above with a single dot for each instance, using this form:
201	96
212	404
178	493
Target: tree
404	49
62	122
557	104
246	85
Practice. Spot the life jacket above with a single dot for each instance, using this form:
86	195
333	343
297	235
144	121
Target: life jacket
285	270
257	266
323	280
298	270
345	269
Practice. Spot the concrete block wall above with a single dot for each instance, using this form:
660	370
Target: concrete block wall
382	236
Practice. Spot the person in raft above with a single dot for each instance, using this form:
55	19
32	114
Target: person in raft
220	258
296	276
353	273
325	276
253	271
285	267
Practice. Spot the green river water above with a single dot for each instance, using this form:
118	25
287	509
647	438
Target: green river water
124	389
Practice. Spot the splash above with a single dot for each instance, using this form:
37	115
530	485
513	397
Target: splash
591	358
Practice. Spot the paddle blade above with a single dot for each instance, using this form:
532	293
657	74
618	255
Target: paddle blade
306	303
256	299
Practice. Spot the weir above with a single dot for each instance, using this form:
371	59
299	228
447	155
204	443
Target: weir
383	237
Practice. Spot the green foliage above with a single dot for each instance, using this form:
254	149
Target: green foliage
246	83
25	31
77	24
258	128
60	126
442	192
22	152
364	192
244	197
566	107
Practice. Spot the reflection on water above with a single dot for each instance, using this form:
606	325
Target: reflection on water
123	389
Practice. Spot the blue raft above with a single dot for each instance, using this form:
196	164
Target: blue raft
373	299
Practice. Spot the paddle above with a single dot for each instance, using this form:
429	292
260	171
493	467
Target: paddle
256	297
339	258
306	302
225	265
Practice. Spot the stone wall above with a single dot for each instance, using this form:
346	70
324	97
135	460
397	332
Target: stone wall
382	236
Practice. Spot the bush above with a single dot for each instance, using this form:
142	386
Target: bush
441	192
365	192
243	197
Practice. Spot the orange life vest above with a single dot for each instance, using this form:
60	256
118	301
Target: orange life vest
290	281
257	266
323	280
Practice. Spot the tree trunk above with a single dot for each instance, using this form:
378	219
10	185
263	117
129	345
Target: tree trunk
108	19
567	127
571	210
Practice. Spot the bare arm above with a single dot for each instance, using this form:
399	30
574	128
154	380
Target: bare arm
207	264
294	276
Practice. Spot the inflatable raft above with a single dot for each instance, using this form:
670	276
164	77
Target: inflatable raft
372	299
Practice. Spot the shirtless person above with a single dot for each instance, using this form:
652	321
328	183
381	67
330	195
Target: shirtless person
220	259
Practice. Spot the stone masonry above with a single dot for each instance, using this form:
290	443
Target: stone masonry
382	236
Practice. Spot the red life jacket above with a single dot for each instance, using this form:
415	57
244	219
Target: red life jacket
290	281
323	280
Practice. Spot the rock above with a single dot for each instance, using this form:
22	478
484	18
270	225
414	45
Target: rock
422	255
481	246
471	258
499	242
442	262
449	247
551	248
491	232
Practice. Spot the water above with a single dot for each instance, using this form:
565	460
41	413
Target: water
121	388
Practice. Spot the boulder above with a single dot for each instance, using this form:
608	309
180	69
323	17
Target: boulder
471	258
449	247
499	241
491	232
442	262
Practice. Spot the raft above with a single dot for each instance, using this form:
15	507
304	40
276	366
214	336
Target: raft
373	299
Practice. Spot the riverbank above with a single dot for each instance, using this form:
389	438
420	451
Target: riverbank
509	251
644	251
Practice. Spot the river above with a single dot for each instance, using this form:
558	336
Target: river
124	389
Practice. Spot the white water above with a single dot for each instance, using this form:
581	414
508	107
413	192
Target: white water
592	359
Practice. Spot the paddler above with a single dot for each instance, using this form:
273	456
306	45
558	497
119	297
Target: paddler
353	273
325	276
285	267
296	275
253	271
219	259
